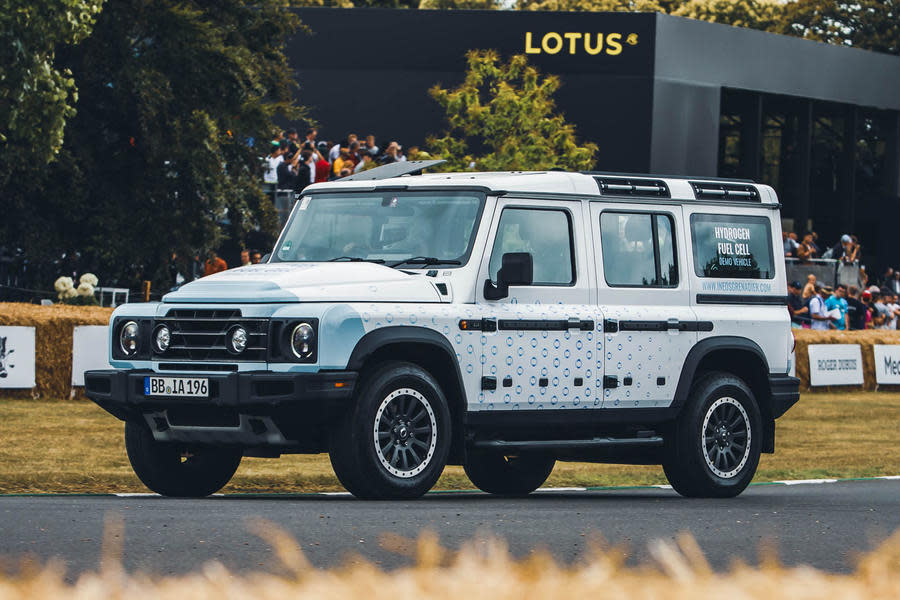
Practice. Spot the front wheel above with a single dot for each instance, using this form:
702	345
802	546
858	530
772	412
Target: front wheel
495	473
179	471
714	448
394	442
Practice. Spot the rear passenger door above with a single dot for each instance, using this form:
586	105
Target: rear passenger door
643	294
538	353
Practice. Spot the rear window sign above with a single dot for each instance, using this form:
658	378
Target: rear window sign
732	246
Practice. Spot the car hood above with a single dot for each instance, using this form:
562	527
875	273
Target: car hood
308	282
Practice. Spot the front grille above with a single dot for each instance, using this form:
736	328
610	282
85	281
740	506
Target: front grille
202	335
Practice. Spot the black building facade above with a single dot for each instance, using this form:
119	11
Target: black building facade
657	94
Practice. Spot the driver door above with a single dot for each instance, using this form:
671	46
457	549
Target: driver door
538	342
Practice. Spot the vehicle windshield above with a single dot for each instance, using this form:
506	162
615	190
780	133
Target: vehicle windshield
415	229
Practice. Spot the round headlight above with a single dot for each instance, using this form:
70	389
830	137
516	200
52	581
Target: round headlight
302	340
162	338
128	338
238	341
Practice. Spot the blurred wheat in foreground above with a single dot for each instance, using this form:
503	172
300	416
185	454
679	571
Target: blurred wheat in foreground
486	571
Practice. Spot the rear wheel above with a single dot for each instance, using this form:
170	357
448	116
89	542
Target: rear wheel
496	473
714	448
394	441
176	470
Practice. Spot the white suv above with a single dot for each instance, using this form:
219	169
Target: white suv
501	321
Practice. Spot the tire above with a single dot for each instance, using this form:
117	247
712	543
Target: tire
494	473
404	404
714	448
175	470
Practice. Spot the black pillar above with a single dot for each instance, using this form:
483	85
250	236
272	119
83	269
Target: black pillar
848	171
751	138
804	164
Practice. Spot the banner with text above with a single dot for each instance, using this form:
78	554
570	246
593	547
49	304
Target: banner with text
835	364
887	364
90	350
16	357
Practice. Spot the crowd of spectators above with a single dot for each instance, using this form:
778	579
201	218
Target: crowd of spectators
294	163
814	305
847	250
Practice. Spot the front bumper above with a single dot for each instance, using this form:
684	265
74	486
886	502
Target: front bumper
256	408
785	392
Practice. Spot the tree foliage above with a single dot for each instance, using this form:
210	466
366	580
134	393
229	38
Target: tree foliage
503	117
866	24
766	15
160	157
36	95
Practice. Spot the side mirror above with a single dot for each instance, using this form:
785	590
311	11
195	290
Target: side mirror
517	268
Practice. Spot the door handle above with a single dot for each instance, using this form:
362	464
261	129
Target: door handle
673	324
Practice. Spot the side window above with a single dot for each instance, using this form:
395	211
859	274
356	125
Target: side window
638	249
732	246
546	234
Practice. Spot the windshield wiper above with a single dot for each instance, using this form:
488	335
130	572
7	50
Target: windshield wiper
424	260
380	261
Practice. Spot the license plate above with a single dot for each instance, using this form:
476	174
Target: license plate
191	387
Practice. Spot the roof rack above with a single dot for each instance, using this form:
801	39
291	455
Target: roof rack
662	176
395	169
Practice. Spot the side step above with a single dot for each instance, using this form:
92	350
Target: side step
604	442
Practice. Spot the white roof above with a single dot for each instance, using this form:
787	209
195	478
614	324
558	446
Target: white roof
547	182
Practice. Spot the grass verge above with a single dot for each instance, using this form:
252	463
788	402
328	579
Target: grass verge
482	569
75	447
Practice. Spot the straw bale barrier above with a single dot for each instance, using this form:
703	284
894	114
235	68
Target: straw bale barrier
53	343
866	339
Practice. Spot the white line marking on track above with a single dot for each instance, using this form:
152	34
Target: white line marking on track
561	489
803	481
888	477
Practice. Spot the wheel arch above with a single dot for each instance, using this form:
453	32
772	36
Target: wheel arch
431	351
739	356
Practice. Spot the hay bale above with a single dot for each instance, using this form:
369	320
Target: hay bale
53	343
866	339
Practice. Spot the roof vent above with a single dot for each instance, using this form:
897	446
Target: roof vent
725	191
610	186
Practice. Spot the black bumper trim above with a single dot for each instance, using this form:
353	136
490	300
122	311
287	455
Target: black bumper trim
785	393
121	392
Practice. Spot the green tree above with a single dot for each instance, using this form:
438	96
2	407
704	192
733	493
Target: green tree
866	24
503	117
159	157
766	15
36	95
598	5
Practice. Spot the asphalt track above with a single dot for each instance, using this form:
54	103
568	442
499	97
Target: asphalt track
824	525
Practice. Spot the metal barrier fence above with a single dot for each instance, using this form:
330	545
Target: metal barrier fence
827	271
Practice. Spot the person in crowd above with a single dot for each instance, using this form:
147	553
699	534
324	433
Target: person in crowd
821	321
797	308
790	244
342	161
809	290
256	257
838	302
311	164
311	135
367	162
354	152
866	298
335	151
245	258
857	248
322	166
815	243
880	312
863	277
292	136
272	161
856	309
845	250
371	146
214	264
807	249
391	154
306	169
893	283
893	310
287	169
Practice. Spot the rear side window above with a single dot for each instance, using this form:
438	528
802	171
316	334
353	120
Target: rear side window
732	246
638	249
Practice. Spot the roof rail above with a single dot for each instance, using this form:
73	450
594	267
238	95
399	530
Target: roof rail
395	169
725	191
621	186
662	176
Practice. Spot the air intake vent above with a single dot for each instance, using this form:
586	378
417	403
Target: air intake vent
725	191
610	186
